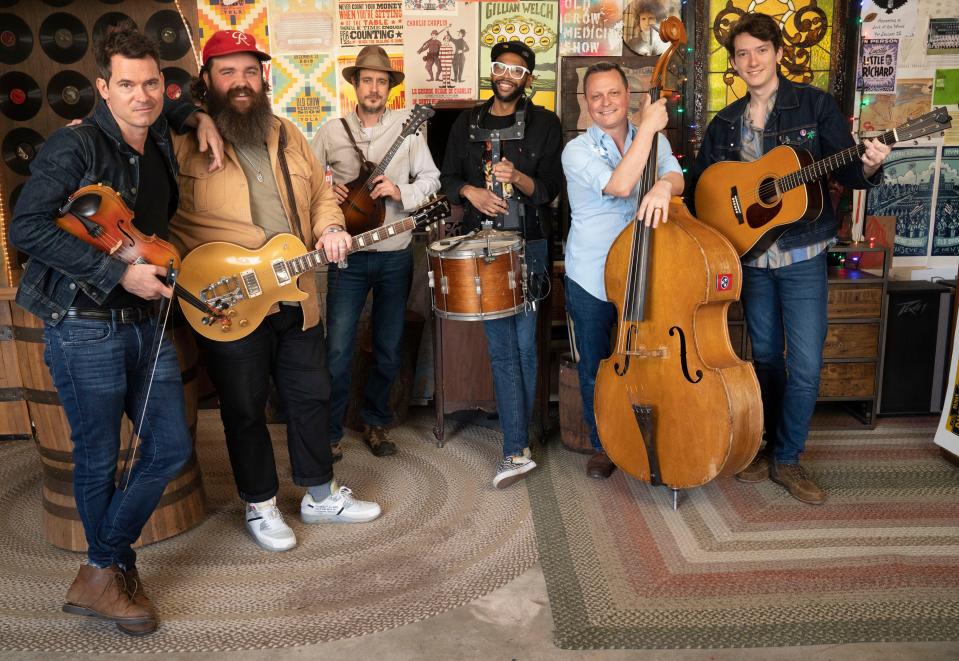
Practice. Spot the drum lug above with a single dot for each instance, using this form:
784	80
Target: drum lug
432	283
444	285
512	279
479	285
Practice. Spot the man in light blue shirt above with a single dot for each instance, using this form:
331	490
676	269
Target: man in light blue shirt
603	169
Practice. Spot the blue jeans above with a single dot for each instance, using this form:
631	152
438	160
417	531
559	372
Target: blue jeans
786	307
101	370
512	350
593	321
389	275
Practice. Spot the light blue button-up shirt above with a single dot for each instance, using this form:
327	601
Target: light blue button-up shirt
597	218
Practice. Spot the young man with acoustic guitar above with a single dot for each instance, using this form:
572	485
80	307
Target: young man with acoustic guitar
784	288
270	183
346	145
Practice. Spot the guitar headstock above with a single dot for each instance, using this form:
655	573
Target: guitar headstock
418	115
932	122
435	208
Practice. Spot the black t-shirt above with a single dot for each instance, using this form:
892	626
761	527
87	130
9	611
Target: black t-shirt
151	215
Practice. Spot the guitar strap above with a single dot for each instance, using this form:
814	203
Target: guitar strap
349	134
285	169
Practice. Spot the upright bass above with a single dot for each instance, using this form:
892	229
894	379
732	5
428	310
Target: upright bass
674	404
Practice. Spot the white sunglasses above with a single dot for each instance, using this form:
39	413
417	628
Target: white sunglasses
514	70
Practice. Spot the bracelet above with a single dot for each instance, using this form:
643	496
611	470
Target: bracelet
332	228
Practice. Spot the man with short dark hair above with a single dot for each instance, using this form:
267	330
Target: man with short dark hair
784	290
270	184
386	268
99	322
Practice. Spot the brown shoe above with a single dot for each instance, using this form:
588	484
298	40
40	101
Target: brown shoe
337	451
102	593
139	596
600	466
756	471
800	486
377	440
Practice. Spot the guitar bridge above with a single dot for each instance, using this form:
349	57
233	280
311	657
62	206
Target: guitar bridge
737	205
223	294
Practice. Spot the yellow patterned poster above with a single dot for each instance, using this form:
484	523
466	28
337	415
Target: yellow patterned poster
304	89
247	16
371	22
397	98
302	26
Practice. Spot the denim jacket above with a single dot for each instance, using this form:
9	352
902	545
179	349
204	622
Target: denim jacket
91	152
803	116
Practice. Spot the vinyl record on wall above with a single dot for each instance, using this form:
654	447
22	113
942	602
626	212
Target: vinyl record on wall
8	3
112	2
58	3
20	96
70	95
20	146
16	40
108	20
176	83
166	27
63	37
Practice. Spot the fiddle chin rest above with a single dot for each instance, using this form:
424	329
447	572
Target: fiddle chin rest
85	205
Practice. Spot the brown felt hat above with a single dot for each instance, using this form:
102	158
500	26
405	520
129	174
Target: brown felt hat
375	58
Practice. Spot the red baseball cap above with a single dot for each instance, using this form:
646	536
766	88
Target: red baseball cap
228	42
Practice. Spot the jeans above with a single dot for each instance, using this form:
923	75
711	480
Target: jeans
101	370
786	307
512	350
389	275
593	321
241	371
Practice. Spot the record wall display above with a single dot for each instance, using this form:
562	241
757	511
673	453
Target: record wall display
176	83
70	95
63	37
20	97
16	40
58	3
109	20
20	146
166	27
8	3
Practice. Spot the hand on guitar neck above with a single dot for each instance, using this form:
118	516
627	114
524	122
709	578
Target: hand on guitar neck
876	152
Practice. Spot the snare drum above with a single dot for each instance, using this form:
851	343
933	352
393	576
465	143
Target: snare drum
478	278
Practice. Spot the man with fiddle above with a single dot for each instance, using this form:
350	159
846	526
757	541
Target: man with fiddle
511	192
99	323
344	145
270	183
603	169
784	289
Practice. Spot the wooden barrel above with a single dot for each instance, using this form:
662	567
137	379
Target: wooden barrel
572	428
182	504
14	417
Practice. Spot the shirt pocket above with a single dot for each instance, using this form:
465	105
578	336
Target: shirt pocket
799	136
201	190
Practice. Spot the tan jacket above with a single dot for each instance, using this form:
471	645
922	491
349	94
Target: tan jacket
216	206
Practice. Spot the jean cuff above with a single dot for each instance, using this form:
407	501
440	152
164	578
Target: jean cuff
313	481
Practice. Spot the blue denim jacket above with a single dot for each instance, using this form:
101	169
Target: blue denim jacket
803	116
75	156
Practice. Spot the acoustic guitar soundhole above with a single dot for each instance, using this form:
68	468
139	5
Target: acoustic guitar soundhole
768	193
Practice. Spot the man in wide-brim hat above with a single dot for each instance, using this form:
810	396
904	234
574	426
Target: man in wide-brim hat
365	135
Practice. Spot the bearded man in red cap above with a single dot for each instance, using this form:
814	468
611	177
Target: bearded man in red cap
270	183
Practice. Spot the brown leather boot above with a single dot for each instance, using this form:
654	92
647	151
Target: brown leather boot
138	594
102	593
797	482
756	471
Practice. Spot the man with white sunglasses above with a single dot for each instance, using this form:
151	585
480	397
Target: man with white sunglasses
514	193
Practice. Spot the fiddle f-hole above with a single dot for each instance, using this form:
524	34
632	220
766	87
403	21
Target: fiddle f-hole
676	330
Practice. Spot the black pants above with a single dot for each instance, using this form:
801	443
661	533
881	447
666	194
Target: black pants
241	370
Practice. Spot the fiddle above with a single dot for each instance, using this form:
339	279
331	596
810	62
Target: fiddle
97	215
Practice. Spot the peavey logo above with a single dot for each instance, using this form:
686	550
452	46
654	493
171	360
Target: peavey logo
912	308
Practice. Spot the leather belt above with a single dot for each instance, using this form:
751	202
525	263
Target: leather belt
119	315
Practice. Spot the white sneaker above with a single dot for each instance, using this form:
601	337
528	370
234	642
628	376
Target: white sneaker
265	522
339	507
512	469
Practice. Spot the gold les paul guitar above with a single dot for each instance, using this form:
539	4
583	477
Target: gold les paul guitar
753	203
241	285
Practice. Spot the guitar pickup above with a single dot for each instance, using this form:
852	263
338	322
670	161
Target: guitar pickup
252	283
737	205
281	272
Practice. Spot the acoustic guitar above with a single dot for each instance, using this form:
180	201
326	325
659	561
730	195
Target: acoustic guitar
753	203
361	211
242	285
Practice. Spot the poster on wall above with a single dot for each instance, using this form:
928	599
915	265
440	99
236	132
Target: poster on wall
440	50
249	16
638	70
877	66
945	240
304	89
943	36
397	98
373	22
448	6
302	26
533	23
641	21
591	27
906	193
889	19
881	112
945	87
947	433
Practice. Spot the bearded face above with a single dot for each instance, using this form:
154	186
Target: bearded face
236	99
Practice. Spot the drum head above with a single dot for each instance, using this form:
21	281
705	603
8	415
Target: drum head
459	248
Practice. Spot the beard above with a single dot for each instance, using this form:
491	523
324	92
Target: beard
242	127
508	98
372	109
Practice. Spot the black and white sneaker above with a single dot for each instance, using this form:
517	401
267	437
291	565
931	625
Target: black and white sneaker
339	507
512	469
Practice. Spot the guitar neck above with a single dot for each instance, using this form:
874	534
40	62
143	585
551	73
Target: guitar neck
381	168
819	169
316	258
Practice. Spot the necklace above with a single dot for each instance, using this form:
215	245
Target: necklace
259	175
